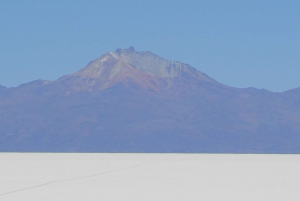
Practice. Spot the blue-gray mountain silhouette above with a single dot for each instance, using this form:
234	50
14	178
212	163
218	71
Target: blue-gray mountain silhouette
129	101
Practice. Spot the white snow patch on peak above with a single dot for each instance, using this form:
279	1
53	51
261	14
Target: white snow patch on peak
115	55
104	59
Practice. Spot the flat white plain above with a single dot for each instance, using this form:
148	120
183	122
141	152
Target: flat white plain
145	177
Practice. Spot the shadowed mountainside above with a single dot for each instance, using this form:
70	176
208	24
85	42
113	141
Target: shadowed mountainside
129	101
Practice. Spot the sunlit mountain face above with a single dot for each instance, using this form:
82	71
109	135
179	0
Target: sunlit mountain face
130	101
143	70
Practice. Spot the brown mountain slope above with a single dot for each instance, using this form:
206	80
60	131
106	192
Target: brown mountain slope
144	70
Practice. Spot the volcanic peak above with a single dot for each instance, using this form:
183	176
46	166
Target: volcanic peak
146	62
143	69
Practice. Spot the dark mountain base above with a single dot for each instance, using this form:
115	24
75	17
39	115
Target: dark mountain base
120	120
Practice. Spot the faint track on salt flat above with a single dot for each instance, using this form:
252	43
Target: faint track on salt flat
90	176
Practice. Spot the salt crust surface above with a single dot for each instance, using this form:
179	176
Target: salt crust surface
145	177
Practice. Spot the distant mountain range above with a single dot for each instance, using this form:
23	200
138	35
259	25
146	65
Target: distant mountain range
129	101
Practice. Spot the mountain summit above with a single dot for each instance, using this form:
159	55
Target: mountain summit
129	101
143	70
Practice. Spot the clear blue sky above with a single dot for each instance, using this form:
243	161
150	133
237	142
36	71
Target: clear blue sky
239	43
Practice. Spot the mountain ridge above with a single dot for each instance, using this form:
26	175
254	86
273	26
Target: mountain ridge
128	101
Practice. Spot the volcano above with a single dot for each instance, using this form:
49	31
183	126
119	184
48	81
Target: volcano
130	101
144	70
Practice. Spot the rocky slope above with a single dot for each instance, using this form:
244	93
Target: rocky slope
143	70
